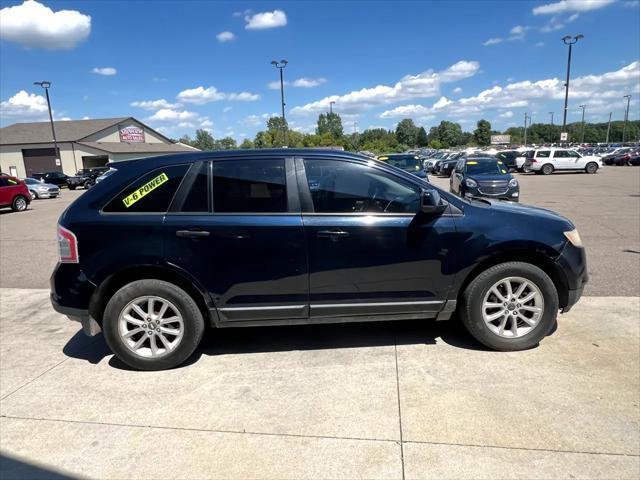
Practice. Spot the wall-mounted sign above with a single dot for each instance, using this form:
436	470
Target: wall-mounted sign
564	136
132	135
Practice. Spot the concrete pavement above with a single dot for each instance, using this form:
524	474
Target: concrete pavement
385	400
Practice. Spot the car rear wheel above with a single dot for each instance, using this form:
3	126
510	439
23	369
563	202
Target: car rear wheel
72	187
19	203
547	169
510	306
592	167
87	185
152	325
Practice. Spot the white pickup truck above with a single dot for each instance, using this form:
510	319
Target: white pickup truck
548	160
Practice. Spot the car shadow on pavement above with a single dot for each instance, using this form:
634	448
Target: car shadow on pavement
12	468
234	341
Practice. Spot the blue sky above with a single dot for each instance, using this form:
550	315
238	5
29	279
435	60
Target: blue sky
179	66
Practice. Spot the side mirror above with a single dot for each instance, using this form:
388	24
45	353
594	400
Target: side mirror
431	202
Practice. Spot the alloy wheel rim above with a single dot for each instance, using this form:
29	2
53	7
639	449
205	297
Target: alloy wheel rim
150	326
512	307
21	204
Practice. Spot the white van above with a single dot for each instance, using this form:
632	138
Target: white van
548	160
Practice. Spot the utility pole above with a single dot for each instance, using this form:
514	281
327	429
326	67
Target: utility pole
583	107
331	104
281	66
608	128
626	118
568	40
44	84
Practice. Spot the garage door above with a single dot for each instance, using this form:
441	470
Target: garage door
40	160
94	161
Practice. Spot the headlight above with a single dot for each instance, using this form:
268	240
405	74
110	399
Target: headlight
574	237
469	182
513	183
41	187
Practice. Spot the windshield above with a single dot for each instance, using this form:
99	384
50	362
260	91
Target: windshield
32	181
486	167
405	162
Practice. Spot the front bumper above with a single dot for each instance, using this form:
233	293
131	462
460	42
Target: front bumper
48	194
573	262
511	195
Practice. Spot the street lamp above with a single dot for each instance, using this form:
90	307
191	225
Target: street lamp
281	66
44	84
568	40
583	107
626	118
526	117
608	128
551	113
331	104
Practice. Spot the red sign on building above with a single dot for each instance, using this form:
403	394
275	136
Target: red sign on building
132	135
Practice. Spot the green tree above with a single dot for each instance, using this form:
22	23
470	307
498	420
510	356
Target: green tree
407	132
186	139
278	128
482	134
226	143
421	139
204	140
330	123
247	144
449	134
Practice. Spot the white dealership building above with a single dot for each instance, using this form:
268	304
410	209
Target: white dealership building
27	148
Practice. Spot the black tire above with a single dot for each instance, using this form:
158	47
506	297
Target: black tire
473	297
591	167
547	169
71	188
20	203
187	307
87	185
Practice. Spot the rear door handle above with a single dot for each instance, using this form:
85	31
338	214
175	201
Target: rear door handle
195	234
334	234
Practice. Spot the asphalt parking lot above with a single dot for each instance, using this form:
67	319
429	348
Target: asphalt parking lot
386	400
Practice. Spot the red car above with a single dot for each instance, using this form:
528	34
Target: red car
14	193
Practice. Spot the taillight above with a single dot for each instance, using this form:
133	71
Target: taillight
67	246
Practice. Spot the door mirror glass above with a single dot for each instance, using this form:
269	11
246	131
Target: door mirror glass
431	202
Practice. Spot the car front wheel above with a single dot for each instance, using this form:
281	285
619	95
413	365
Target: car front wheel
547	169
152	325
592	167
19	203
510	306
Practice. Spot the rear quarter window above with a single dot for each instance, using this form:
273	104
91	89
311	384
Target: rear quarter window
151	193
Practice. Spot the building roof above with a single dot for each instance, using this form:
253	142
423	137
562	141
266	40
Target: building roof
66	131
122	147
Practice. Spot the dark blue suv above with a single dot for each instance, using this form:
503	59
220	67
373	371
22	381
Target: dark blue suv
166	246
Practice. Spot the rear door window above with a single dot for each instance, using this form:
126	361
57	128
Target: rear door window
543	154
249	186
151	193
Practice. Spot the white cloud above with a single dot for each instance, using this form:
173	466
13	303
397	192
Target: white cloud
573	17
539	44
565	6
631	3
518	32
227	109
154	104
263	20
299	83
24	106
308	82
600	90
206	123
457	90
86	118
423	85
201	96
106	71
169	115
507	114
552	26
35	25
225	37
492	41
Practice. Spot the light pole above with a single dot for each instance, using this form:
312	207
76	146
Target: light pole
526	117
551	113
608	128
583	107
331	104
626	118
44	84
568	40
281	66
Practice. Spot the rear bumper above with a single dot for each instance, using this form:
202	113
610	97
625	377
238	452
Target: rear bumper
71	293
90	327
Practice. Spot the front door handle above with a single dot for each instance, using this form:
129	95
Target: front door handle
194	234
334	234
